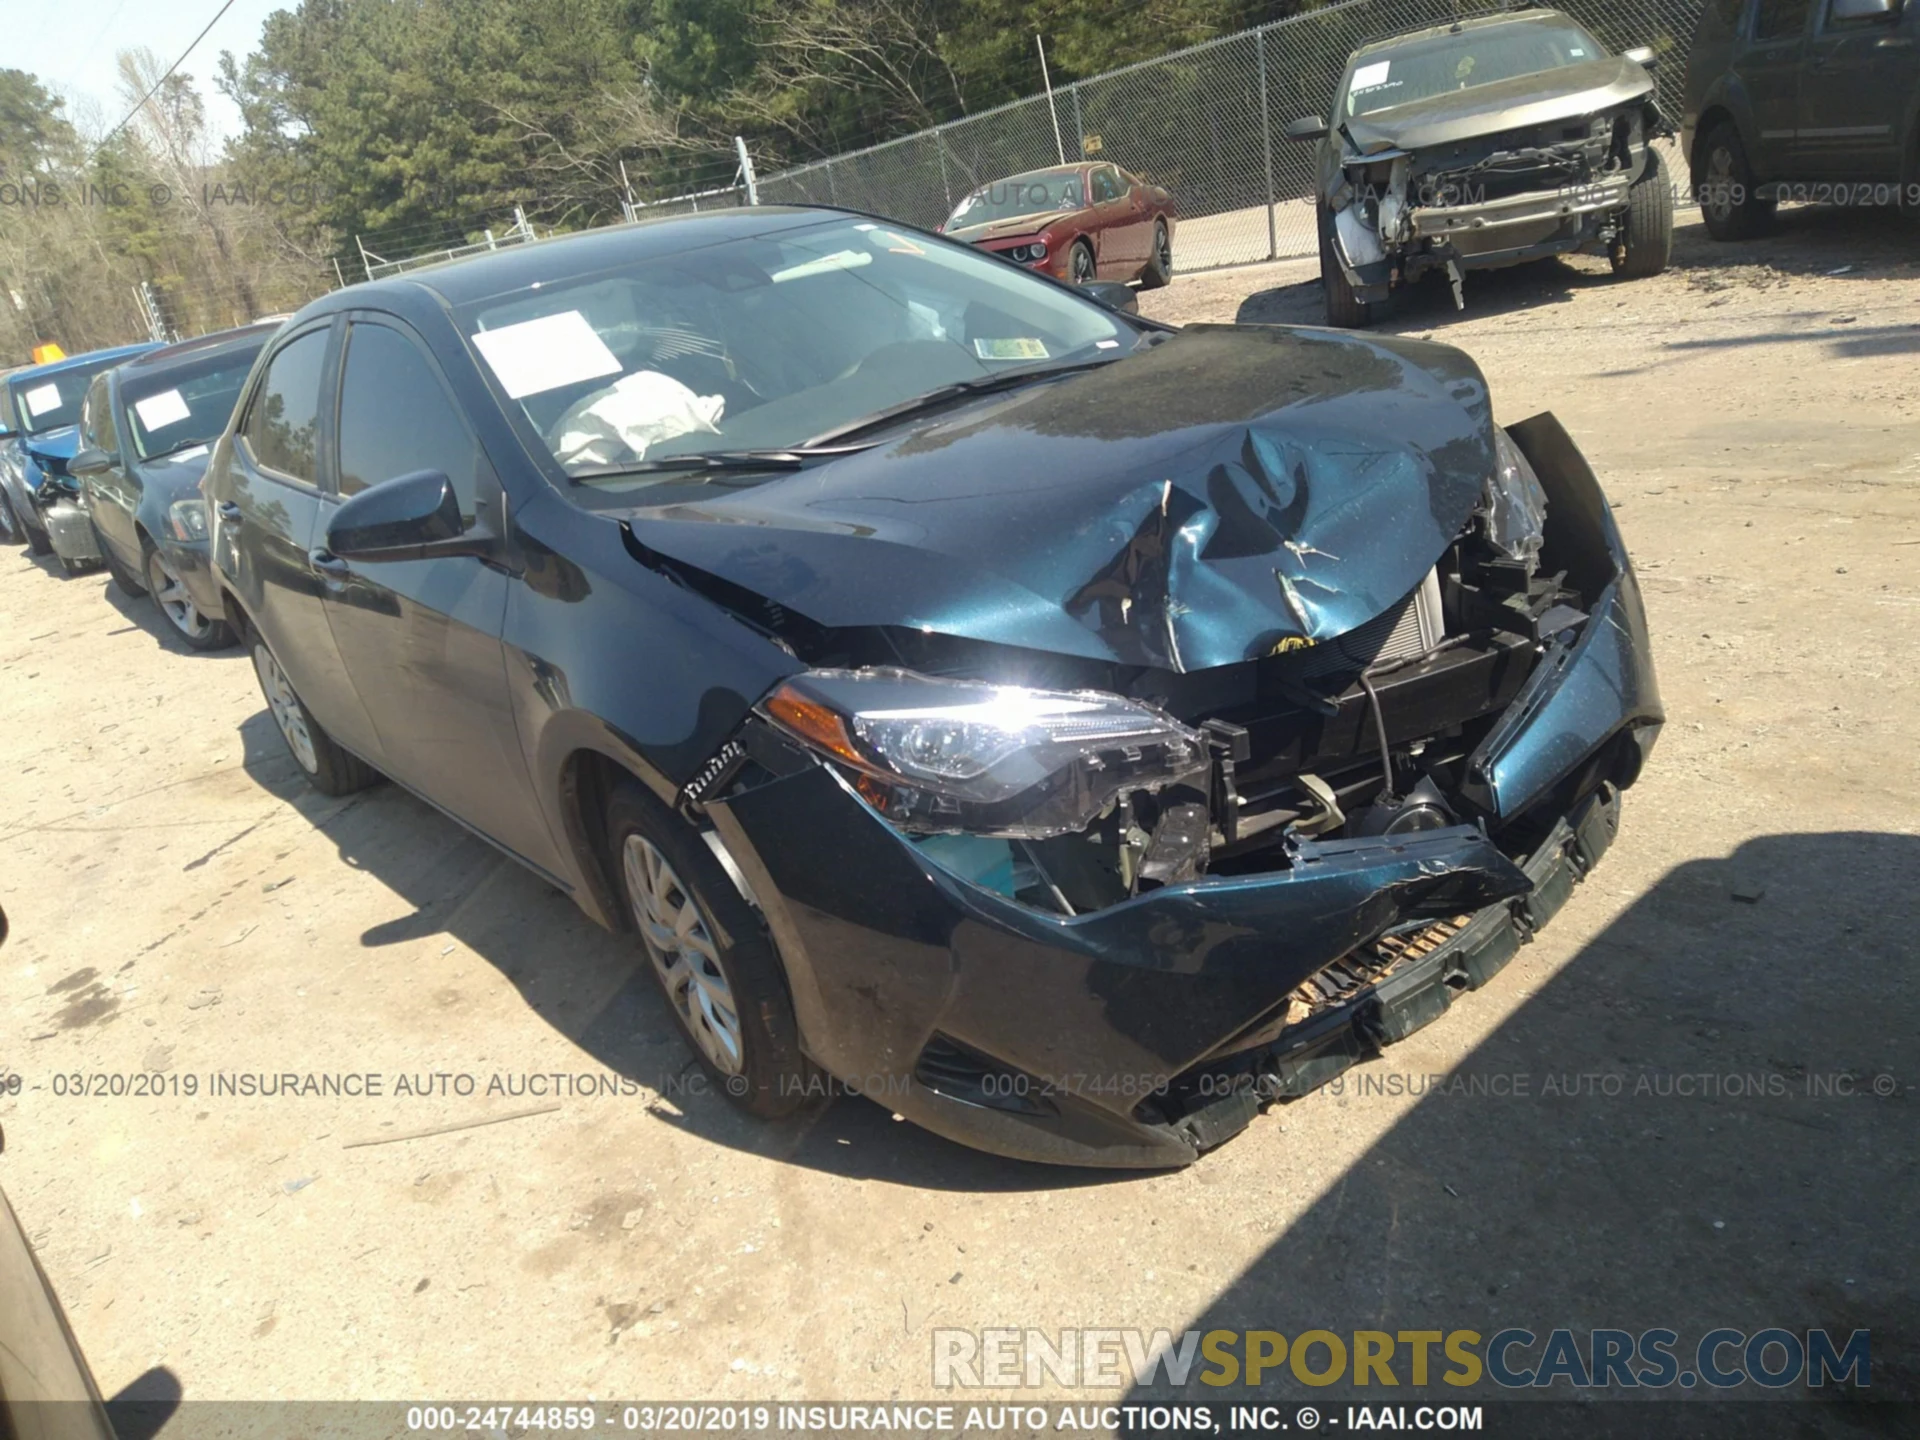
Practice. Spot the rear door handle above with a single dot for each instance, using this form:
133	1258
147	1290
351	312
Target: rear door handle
329	564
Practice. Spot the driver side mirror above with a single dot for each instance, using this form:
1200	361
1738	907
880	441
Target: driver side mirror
1644	56
1307	127
1112	294
405	518
91	461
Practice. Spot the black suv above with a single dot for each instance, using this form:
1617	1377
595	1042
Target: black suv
1800	99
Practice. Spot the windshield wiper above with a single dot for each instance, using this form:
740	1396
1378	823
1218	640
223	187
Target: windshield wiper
959	390
718	461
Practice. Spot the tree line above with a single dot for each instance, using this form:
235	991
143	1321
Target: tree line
414	123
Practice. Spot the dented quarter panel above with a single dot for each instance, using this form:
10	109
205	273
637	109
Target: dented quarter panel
1189	506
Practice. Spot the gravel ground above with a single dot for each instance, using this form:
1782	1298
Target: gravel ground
183	906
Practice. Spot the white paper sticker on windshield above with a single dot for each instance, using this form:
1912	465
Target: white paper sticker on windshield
1368	76
1012	347
41	399
156	412
544	354
1575	50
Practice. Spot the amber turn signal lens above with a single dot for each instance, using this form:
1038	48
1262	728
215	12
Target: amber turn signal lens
813	722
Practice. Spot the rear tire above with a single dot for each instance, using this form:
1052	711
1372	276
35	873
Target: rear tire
1160	263
1727	201
330	769
711	955
1345	310
1647	235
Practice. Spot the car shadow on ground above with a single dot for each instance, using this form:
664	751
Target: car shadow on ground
596	989
1704	1119
1804	240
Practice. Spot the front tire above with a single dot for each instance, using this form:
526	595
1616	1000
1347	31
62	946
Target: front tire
710	953
1081	267
1647	236
1345	310
175	603
1160	263
124	580
11	531
330	769
39	542
1727	200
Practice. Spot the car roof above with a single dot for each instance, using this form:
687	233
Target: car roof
240	338
55	367
515	267
1464	27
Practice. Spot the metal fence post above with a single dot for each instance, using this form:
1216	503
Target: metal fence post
1266	139
833	195
1079	129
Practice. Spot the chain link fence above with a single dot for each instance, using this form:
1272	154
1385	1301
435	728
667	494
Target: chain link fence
1205	123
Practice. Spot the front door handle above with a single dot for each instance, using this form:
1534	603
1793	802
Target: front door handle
329	564
230	512
1894	42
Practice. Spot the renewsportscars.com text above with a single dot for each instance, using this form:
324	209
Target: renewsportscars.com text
1011	1359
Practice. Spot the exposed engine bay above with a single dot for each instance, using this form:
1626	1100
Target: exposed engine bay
1144	777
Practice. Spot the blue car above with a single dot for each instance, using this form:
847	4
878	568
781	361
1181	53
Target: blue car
39	406
145	428
1077	731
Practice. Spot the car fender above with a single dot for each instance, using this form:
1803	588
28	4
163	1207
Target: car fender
1726	96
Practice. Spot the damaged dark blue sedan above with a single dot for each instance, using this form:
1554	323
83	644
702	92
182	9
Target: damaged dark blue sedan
1075	732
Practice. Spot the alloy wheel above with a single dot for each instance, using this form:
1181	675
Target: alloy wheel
1164	244
684	955
170	593
1082	265
285	706
1718	201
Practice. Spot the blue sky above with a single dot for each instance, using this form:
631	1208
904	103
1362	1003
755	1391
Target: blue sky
70	45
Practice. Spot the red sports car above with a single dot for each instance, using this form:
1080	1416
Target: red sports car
1084	222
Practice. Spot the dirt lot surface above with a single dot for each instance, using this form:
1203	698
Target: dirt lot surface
1679	1117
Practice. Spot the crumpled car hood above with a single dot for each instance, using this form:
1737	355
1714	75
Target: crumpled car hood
1233	491
61	444
1538	99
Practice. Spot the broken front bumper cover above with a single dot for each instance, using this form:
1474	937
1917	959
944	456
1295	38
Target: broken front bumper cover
1529	209
1475	236
70	528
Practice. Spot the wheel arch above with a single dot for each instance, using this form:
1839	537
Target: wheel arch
1712	115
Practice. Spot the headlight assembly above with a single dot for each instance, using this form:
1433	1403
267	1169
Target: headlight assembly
1028	254
188	519
1515	509
946	755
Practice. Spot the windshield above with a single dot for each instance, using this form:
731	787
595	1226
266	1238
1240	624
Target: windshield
185	404
47	402
763	343
1021	195
1444	63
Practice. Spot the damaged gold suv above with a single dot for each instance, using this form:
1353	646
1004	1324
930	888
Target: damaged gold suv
1483	143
